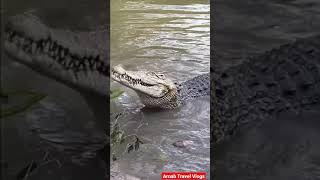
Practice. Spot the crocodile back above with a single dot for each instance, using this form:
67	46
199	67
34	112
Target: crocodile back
287	78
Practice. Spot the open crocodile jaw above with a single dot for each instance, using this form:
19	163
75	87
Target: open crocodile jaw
137	81
75	59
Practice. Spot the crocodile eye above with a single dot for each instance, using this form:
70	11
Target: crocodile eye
161	76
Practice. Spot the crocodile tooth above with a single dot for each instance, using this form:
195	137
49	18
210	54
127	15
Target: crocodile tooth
87	63
11	36
50	45
34	47
43	43
29	49
65	61
74	76
97	79
56	52
46	47
55	45
51	53
62	53
82	76
57	58
7	36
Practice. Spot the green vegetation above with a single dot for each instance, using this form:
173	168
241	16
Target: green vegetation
115	93
16	102
119	138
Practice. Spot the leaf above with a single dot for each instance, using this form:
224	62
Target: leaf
137	143
116	93
130	147
116	128
18	101
117	116
122	140
117	136
114	158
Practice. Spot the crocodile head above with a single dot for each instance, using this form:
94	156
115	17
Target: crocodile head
154	89
73	58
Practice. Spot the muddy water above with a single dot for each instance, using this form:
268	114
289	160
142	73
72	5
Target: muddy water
168	36
172	37
247	27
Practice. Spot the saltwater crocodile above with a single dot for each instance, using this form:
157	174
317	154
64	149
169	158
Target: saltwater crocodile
158	91
287	78
280	79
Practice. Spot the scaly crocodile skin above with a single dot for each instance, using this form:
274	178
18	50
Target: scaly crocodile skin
287	78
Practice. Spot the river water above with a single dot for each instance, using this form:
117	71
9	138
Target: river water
172	37
58	133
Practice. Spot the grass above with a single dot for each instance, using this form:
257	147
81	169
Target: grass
118	136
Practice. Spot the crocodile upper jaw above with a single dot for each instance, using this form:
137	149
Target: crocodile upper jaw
150	83
77	59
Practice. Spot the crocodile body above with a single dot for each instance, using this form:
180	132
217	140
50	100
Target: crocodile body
196	87
278	80
283	79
